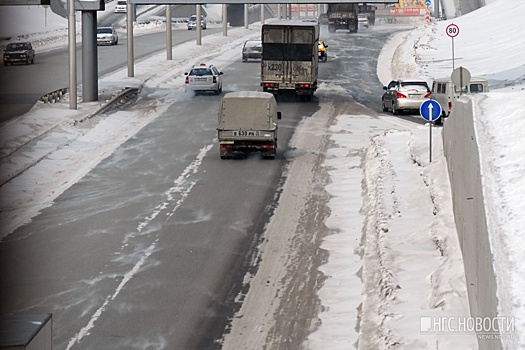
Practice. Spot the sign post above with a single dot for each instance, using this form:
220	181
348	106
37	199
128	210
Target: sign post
430	110
460	77
452	31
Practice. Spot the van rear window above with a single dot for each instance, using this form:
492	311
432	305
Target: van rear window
414	86
476	87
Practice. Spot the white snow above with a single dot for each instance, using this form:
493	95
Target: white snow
399	180
490	45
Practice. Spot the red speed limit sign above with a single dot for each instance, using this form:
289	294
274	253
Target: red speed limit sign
452	30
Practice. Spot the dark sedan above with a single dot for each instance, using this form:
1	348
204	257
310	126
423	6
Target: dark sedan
19	53
252	49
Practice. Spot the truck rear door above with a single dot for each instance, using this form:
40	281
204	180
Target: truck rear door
288	54
273	62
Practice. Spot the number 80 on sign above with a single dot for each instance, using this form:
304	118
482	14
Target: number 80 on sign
452	30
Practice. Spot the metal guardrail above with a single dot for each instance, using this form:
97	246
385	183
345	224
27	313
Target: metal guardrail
122	99
54	96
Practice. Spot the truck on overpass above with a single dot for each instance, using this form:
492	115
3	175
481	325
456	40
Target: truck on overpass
342	16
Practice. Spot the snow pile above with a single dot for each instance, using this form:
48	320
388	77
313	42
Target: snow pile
46	28
499	130
49	31
427	51
501	61
394	256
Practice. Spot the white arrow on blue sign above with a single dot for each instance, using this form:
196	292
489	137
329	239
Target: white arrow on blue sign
430	110
428	2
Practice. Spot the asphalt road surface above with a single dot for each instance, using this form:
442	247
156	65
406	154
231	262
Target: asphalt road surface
150	249
22	85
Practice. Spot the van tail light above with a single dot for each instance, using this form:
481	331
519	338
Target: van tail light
428	95
214	79
400	95
187	81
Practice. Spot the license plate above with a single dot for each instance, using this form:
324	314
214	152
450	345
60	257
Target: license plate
246	133
414	96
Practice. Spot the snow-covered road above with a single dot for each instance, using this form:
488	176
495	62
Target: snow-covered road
393	251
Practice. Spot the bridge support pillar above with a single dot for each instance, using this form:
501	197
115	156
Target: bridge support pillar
89	56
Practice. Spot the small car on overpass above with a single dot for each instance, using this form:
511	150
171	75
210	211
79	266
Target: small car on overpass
107	36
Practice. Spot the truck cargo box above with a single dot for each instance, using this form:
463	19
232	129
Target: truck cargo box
248	122
290	58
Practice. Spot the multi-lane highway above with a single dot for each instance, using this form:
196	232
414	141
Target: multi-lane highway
22	85
151	248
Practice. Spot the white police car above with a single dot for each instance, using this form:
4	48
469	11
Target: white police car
204	78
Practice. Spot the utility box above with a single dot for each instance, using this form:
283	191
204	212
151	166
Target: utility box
26	332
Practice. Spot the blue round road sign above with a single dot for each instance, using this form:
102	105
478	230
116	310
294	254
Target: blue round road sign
428	2
430	110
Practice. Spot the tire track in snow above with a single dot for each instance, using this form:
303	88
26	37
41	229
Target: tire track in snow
181	186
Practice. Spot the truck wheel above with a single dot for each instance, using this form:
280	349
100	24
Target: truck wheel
269	155
306	98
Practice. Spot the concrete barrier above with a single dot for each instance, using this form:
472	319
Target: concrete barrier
461	151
